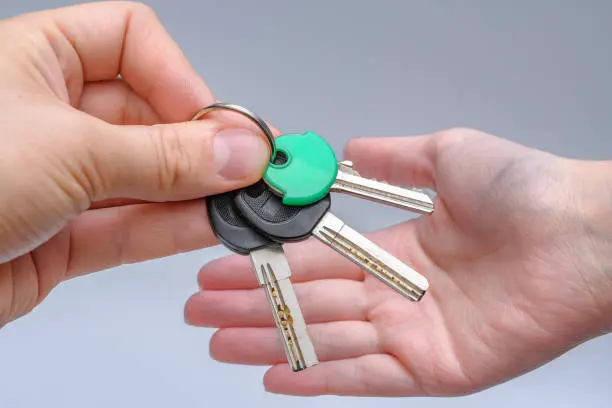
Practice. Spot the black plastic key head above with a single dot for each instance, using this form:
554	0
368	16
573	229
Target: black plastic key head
230	227
282	223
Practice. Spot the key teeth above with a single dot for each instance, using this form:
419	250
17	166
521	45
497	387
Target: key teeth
351	182
411	188
415	189
348	167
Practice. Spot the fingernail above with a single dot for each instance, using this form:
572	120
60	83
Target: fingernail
239	153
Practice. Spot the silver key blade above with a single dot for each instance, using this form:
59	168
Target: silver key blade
394	273
273	272
348	181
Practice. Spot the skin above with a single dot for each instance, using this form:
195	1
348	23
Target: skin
518	258
96	170
100	170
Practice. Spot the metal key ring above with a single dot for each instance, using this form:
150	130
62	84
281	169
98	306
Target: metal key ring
244	111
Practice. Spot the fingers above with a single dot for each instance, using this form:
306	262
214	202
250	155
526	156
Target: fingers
372	375
320	302
172	161
262	346
98	41
110	237
397	160
116	103
309	260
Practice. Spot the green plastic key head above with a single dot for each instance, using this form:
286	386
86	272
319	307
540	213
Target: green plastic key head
304	169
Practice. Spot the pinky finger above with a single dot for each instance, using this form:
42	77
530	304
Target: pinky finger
373	375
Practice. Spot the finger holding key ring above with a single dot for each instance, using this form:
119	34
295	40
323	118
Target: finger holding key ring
245	112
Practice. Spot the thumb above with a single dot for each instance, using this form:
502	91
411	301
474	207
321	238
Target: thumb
177	161
397	160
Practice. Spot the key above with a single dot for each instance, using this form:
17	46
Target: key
349	181
305	169
267	213
273	274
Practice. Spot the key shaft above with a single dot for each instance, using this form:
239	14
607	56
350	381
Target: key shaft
273	273
348	181
398	276
281	223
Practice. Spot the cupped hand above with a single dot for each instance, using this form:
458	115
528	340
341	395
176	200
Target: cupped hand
96	171
516	255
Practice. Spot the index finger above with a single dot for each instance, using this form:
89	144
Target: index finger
102	40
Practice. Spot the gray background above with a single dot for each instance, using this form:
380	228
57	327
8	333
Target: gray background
537	72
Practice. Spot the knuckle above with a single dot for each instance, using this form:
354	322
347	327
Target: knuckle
449	142
455	135
141	9
175	162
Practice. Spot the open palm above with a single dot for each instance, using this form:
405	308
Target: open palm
507	292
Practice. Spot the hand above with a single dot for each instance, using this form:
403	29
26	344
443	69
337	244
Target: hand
518	258
91	170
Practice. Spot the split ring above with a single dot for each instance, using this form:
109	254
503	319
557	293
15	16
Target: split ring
244	111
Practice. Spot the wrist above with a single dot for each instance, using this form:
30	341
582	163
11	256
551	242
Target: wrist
593	203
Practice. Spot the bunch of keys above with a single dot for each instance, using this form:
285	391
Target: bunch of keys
290	204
